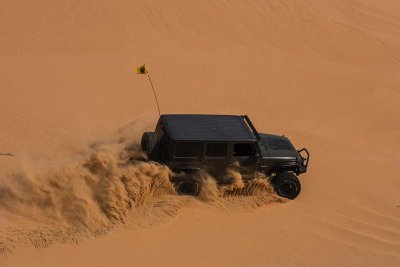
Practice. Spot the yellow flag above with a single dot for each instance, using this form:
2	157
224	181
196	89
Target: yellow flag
142	70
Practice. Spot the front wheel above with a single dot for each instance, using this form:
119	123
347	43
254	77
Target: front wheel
286	185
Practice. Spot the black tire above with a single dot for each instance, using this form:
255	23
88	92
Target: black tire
149	145
187	187
286	185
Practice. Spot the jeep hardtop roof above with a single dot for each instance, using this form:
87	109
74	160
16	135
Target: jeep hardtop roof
193	127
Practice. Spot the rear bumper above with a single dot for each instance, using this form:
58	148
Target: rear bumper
305	158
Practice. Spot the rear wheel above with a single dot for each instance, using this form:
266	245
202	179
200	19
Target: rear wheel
149	145
187	182
187	187
286	185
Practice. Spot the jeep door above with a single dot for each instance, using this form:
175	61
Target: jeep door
215	158
186	155
244	158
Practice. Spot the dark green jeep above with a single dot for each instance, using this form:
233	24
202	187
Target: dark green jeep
215	143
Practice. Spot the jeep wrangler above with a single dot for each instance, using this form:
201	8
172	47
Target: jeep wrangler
188	143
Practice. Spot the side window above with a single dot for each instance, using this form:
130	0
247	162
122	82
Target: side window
216	149
188	149
244	150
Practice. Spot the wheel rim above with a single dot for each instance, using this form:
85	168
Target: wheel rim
287	189
187	188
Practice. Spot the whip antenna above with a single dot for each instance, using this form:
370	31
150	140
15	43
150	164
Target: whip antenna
143	70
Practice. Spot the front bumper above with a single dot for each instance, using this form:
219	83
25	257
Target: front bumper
305	158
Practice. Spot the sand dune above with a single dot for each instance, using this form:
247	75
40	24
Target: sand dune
112	186
325	73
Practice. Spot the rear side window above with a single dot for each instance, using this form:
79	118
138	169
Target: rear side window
216	149
244	150
188	149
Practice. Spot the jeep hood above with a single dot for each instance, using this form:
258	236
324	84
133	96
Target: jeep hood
275	146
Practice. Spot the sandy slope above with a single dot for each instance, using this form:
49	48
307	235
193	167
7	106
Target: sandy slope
325	73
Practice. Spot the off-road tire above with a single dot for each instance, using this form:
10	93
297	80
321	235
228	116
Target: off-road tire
187	187
187	182
148	145
286	185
